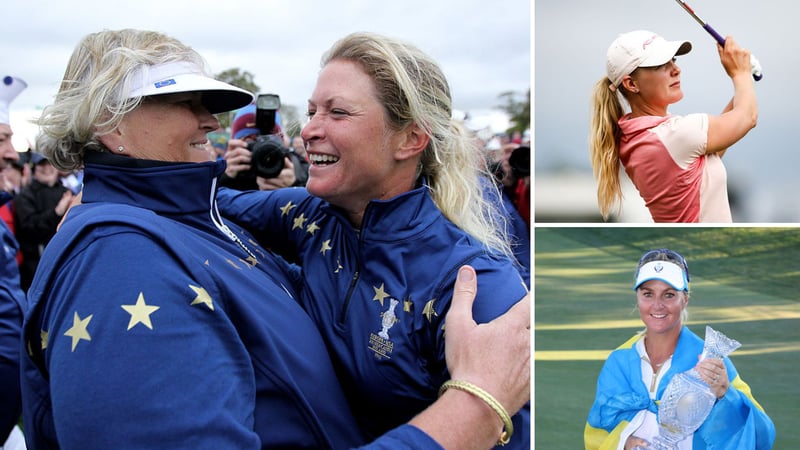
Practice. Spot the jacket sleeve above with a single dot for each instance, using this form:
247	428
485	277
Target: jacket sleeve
404	437
267	215
131	337
500	286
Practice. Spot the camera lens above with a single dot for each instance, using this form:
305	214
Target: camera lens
267	159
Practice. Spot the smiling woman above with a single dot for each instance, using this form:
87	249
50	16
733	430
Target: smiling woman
635	375
397	199
167	127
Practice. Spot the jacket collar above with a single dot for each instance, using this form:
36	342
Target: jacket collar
399	217
163	187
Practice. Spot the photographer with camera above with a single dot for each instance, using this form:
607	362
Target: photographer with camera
257	157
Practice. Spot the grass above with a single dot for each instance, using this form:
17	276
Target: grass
744	283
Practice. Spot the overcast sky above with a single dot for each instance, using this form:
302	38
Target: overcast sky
571	39
483	47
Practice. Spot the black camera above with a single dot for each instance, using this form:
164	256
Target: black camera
268	151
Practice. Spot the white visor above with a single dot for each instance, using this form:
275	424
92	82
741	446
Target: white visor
174	77
665	271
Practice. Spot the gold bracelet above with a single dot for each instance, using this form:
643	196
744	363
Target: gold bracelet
466	386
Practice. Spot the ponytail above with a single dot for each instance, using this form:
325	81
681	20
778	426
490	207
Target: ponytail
604	135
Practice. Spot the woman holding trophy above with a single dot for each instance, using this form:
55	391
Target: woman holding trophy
645	397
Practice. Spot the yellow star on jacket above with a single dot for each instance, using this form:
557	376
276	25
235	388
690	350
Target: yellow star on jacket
45	336
380	294
286	208
299	221
312	228
325	247
140	312
429	312
79	329
202	297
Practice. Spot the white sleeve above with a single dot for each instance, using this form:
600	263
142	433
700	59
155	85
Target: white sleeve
684	137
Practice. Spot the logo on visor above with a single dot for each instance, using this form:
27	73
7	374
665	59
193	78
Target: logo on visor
658	268
164	83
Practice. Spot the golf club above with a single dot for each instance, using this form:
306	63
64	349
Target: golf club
755	66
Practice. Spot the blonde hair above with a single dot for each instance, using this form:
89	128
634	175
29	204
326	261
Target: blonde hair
604	135
413	89
94	93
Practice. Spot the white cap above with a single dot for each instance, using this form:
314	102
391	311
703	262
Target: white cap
174	77
10	87
640	48
665	271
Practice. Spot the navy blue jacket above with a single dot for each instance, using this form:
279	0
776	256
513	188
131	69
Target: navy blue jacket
153	325
380	294
12	303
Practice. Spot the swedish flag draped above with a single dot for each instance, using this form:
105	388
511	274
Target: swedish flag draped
737	421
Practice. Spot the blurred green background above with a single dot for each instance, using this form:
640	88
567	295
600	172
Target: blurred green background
745	282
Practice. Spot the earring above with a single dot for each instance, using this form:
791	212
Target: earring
120	149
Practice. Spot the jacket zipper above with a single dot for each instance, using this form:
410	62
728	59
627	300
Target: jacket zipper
349	295
353	281
217	220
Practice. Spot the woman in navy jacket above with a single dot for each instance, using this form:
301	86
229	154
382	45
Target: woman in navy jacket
394	206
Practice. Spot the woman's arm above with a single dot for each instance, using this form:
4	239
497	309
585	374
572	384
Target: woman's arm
742	113
494	356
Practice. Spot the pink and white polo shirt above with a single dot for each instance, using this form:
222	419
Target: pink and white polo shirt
666	159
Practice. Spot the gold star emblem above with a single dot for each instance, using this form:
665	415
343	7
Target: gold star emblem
250	261
286	208
202	297
325	247
140	312
380	294
312	228
45	336
428	311
79	329
299	221
407	304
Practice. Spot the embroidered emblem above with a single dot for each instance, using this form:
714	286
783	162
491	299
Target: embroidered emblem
389	319
658	267
379	343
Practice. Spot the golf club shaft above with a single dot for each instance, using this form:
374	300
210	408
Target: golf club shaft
756	66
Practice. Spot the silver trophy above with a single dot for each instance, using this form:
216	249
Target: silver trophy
688	400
